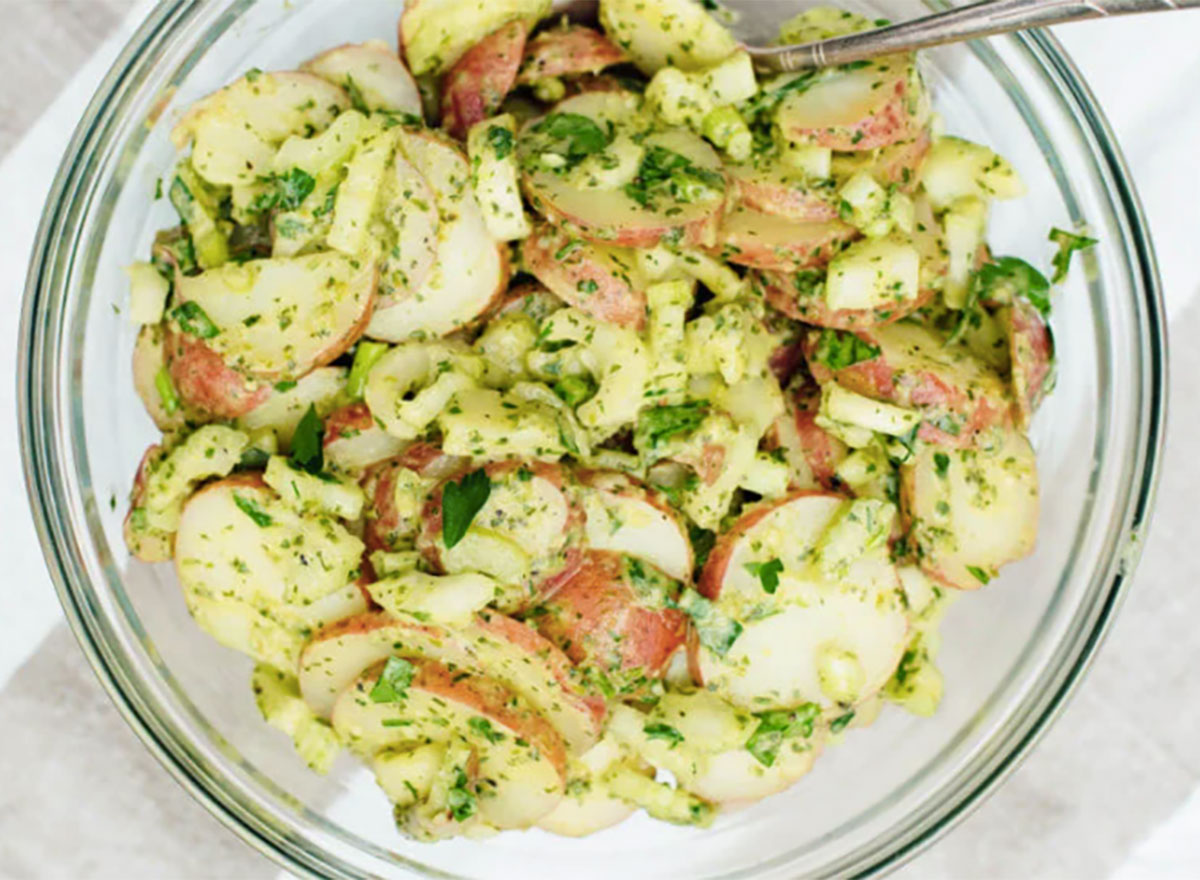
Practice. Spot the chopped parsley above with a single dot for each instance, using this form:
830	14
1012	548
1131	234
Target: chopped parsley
979	574
658	730
659	424
194	321
248	506
838	349
307	442
285	192
483	727
767	574
572	136
500	139
460	799
716	631
774	728
1068	243
664	172
393	682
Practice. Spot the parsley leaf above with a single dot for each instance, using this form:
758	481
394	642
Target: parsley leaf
392	686
1068	243
286	192
580	136
941	462
194	320
664	172
776	727
837	725
1012	276
500	139
460	502
979	574
659	730
659	424
716	631
484	728
767	574
838	349
248	506
307	442
460	799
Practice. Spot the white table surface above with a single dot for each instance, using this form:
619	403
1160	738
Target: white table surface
1112	791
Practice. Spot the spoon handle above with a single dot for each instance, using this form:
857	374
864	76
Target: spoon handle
964	23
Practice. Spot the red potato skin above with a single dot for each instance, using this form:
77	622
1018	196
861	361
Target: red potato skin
147	547
737	246
204	381
382	523
534	643
902	164
1032	354
568	51
713	575
556	474
346	421
779	199
905	522
926	390
780	293
615	300
820	449
702	232
594	615
478	82
890	123
625	486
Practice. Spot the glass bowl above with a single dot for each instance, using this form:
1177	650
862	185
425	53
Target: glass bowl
1012	652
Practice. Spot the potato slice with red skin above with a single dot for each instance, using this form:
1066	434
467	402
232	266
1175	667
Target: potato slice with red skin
873	106
772	189
596	614
1031	348
627	516
610	216
597	279
148	545
794	296
971	510
476	85
761	241
385	527
354	441
378	74
532	504
204	381
508	650
568	51
149	356
519	767
898	163
812	453
957	394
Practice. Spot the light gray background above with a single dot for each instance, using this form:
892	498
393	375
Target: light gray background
80	798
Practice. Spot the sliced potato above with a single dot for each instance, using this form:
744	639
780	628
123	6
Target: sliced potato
477	84
899	163
800	295
1031	353
410	208
143	540
972	510
676	32
610	614
372	72
151	378
436	33
873	106
278	319
495	177
771	187
519	765
810	639
957	168
354	441
626	516
205	382
284	406
761	241
470	271
396	490
498	646
569	50
812	453
600	280
610	215
236	540
234	132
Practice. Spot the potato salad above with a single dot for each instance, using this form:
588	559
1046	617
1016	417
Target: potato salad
568	420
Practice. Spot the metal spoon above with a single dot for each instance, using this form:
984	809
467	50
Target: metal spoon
964	23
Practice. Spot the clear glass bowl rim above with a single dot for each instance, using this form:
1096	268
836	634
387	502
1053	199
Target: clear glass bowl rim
40	424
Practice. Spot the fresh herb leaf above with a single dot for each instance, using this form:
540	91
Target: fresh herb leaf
574	390
774	728
837	725
941	463
769	97
716	631
285	385
1007	277
357	101
484	728
166	391
286	192
460	502
659	424
460	799
1068	243
659	730
767	574
664	172
193	320
393	682
579	135
500	139
248	506
703	541
307	442
838	349
979	574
